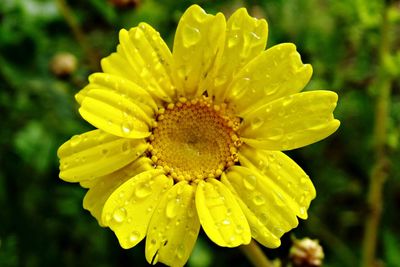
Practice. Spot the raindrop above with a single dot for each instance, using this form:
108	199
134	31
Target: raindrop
256	123
119	215
125	146
259	200
143	190
126	127
250	182
233	41
226	221
190	36
239	229
287	101
172	208
180	251
220	80
276	134
133	237
104	151
75	140
278	231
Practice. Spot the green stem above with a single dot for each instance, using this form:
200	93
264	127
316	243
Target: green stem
254	253
78	33
379	171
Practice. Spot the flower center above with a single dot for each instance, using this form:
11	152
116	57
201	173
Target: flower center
194	139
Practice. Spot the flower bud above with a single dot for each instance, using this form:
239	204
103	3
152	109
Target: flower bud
63	64
306	252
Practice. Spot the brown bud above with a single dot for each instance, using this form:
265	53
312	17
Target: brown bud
306	252
63	64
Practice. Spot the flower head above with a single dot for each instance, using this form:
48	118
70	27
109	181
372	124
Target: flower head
193	138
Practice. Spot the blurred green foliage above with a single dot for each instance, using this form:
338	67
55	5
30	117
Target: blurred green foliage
42	222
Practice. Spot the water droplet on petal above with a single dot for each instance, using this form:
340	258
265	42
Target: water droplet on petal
180	251
126	127
143	190
259	200
190	36
172	208
226	221
75	140
256	123
119	215
239	229
250	182
133	237
276	134
220	80
233	41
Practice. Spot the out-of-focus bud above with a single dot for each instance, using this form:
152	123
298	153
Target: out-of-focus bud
63	64
124	3
306	252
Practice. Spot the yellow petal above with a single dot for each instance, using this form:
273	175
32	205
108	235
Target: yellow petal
119	85
199	40
144	58
291	122
102	187
96	153
174	227
220	215
129	208
275	73
285	174
246	37
267	207
116	114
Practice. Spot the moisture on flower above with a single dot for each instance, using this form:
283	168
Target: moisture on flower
193	138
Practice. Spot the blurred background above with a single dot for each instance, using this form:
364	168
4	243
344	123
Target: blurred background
49	47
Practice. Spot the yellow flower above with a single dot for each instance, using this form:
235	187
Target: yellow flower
193	137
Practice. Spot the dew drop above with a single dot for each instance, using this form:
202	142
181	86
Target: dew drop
256	123
119	215
220	80
172	208
239	229
75	140
226	221
133	237
180	251
233	41
125	146
126	127
143	190
276	134
259	200
250	182
190	36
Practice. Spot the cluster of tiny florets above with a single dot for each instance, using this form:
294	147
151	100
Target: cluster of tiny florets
194	139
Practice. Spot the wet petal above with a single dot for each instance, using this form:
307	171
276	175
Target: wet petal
145	59
129	208
174	227
275	73
291	122
246	37
266	206
284	173
119	85
102	187
220	215
116	114
96	153
199	40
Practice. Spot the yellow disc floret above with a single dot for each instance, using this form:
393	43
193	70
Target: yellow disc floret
194	139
